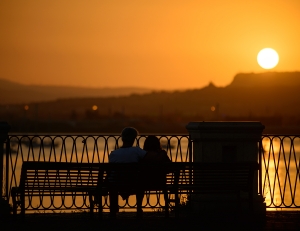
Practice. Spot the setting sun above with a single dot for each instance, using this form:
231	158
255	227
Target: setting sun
110	44
267	58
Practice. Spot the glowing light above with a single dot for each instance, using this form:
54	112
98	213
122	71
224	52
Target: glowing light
213	108
26	107
267	58
95	107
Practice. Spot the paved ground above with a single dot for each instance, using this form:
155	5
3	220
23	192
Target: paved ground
151	221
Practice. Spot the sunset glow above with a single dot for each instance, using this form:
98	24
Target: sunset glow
151	44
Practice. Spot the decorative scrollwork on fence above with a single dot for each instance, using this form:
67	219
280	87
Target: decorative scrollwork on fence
80	149
280	162
279	158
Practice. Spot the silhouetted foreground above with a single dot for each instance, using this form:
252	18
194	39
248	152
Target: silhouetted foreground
151	221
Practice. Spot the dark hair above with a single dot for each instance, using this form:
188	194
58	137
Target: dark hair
152	143
129	134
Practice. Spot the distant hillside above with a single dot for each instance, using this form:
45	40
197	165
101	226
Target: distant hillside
272	98
267	93
267	79
15	93
237	99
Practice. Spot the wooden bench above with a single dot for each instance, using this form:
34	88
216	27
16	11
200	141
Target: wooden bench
97	180
53	179
39	179
133	179
216	178
182	178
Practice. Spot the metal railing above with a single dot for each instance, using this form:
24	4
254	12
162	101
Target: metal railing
280	163
279	158
79	148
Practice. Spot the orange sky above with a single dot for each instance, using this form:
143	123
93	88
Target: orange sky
161	44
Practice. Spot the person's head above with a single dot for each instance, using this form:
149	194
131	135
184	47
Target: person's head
152	144
128	135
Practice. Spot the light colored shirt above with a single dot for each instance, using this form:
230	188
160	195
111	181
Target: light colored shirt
127	155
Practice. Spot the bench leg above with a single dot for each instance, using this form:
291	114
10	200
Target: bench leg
113	203
100	207
91	204
139	201
22	197
177	202
166	203
14	199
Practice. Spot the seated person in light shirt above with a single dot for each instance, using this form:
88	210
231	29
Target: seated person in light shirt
126	154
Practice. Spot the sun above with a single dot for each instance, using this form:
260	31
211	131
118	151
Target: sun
267	58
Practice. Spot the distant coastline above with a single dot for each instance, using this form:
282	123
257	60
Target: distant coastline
272	98
15	93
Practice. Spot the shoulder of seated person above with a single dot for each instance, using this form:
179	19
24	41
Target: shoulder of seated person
162	151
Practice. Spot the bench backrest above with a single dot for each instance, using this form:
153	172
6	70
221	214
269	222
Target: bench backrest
132	176
58	176
213	177
55	176
148	176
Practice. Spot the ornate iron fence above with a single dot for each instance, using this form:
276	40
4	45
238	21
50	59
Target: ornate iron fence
78	148
279	159
280	163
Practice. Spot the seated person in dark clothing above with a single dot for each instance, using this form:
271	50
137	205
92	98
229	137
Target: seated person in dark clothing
154	176
154	151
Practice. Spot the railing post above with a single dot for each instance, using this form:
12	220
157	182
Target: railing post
219	141
4	128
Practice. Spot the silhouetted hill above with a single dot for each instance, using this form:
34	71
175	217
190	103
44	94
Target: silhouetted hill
267	79
237	99
272	98
15	93
272	83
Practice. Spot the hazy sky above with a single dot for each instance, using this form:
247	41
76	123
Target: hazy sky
162	44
